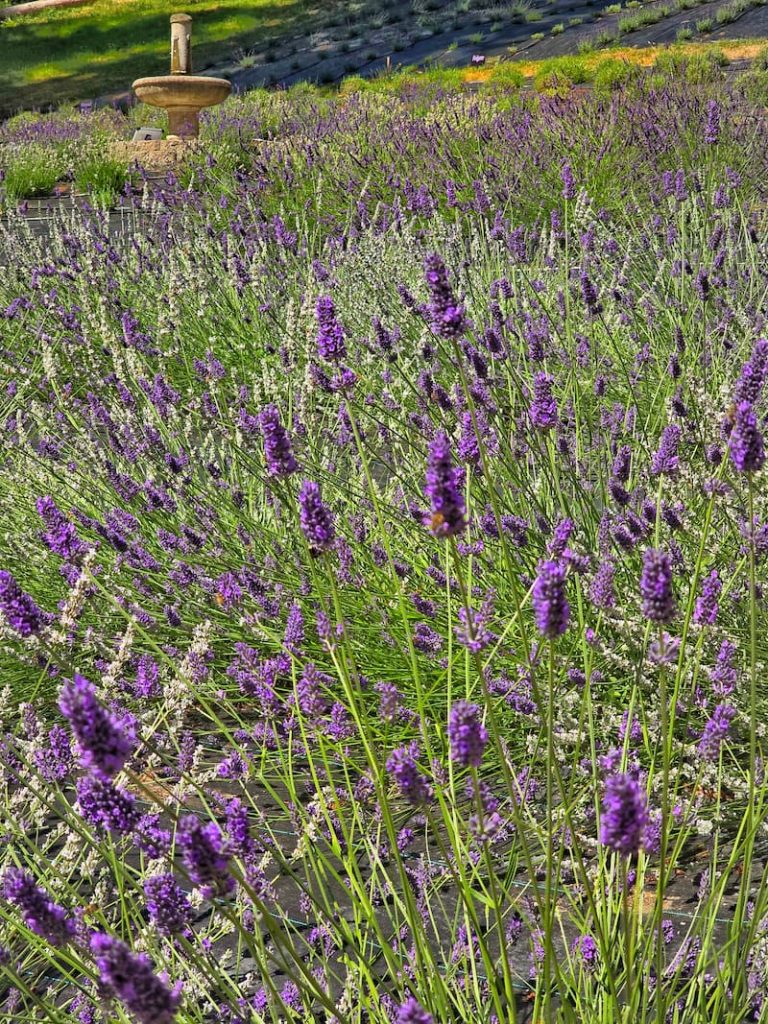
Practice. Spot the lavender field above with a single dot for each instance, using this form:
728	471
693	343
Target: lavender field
383	566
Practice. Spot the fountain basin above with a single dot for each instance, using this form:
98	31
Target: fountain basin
183	97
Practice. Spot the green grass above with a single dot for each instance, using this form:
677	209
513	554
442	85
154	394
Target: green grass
77	53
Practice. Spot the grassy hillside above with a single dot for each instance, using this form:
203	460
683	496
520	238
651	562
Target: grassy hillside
75	53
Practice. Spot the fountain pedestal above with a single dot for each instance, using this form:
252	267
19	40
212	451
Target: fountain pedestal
182	94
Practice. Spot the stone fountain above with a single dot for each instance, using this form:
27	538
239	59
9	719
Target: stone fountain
182	94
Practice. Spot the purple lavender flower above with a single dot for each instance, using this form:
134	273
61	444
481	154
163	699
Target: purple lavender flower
745	444
472	630
656	586
60	534
601	589
390	701
411	1012
622	464
130	978
447	317
550	604
54	758
106	806
725	675
316	518
625	815
40	914
293	640
716	732
666	459
278	452
20	610
569	185
543	406
330	334
585	948
749	386
426	639
414	786
560	537
712	125
169	908
151	838
204	856
589	294
444	490
705	612
466	734
104	742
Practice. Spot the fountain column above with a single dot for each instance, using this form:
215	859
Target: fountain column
181	47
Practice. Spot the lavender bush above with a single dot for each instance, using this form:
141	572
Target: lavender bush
383	566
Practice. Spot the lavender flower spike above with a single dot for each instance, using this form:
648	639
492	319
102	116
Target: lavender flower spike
665	459
330	334
656	587
550	605
746	444
705	613
625	815
130	977
715	732
204	856
278	452
104	742
466	734
412	784
447	315
444	490
41	915
412	1012
60	534
19	609
169	908
315	518
543	407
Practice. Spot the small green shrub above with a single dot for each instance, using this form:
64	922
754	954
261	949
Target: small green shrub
32	172
352	84
684	34
754	84
536	37
585	47
559	74
705	25
518	10
102	177
613	74
556	30
573	22
612	9
704	67
671	63
507	76
606	37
